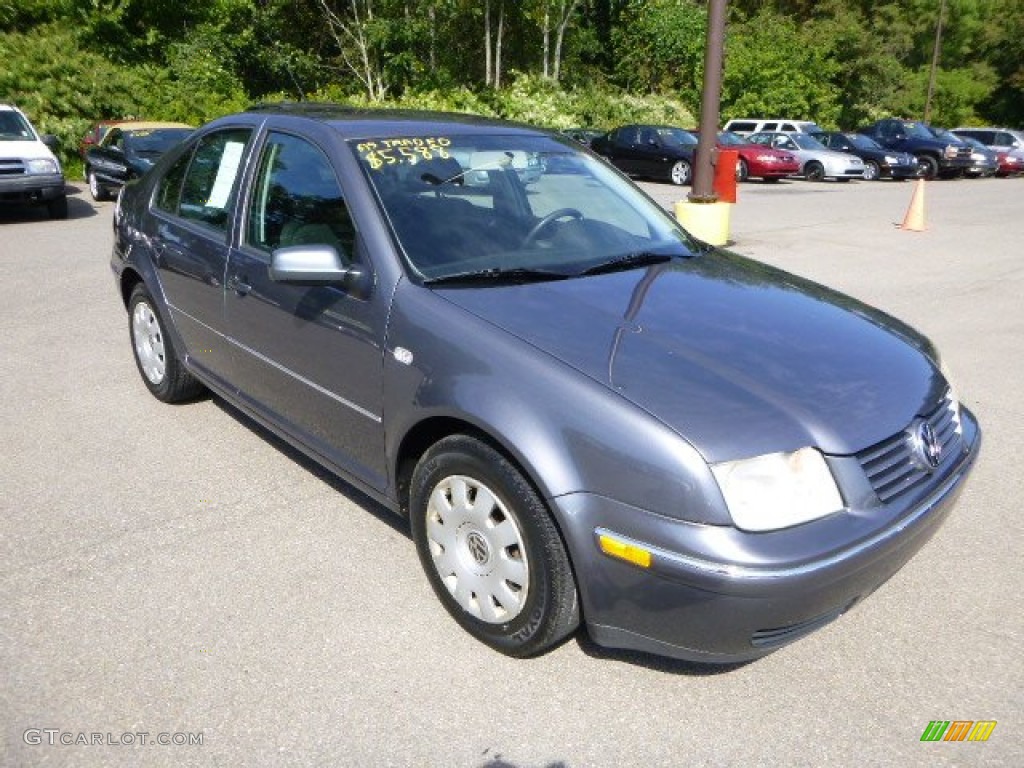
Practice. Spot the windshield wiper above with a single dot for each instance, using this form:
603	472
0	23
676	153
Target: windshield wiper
498	275
629	261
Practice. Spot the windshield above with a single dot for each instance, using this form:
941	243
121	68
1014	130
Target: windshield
154	142
730	139
806	142
676	137
861	141
13	127
917	130
526	207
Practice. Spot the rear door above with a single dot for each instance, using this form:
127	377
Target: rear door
193	211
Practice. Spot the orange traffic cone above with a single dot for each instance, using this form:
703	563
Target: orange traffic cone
914	220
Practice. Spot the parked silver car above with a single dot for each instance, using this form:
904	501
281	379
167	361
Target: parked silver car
817	162
586	414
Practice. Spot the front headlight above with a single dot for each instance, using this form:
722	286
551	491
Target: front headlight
41	165
891	159
778	490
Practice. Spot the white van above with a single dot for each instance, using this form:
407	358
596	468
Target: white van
747	125
30	174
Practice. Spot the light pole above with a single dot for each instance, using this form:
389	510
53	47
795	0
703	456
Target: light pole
703	189
935	62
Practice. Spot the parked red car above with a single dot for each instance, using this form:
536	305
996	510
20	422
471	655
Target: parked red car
1011	162
756	161
94	136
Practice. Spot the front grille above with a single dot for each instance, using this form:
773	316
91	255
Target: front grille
11	167
892	466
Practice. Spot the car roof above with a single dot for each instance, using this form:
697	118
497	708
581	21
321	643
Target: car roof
143	125
357	122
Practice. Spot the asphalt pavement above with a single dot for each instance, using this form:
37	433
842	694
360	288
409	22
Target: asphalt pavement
171	573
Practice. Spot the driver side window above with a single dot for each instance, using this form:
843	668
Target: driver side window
297	199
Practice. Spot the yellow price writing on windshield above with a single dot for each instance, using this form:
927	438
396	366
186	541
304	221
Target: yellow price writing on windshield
383	152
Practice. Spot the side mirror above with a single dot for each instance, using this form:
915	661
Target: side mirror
316	265
50	141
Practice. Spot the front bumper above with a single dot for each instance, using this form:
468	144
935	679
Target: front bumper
901	171
716	594
28	189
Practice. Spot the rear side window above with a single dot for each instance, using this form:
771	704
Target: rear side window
770	127
743	126
201	186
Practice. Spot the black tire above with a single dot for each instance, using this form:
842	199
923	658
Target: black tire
681	173
814	171
462	467
98	191
929	166
871	170
155	355
57	208
742	170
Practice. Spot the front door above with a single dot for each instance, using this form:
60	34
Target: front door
308	358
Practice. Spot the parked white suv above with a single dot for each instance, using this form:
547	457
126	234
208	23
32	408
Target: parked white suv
30	174
745	126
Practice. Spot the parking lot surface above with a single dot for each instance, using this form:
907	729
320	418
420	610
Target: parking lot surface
174	572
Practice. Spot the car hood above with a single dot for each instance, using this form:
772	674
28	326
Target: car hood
739	358
25	150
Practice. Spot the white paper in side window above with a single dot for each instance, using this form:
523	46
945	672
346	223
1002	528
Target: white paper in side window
226	173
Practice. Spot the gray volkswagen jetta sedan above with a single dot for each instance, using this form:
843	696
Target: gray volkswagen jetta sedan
586	414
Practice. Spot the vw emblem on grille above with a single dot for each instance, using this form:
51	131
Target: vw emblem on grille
478	547
927	449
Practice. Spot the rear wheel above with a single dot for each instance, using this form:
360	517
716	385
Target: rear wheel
681	173
871	170
814	171
490	548
742	170
155	355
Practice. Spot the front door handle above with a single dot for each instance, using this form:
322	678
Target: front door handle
238	285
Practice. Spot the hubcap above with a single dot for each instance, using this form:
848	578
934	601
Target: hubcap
149	343
680	173
478	550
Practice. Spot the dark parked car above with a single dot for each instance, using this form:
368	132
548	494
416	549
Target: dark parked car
586	414
126	151
935	156
653	151
984	161
879	163
757	161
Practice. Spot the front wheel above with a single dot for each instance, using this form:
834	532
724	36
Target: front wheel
681	173
742	170
155	354
97	190
928	167
871	170
57	208
490	548
814	171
